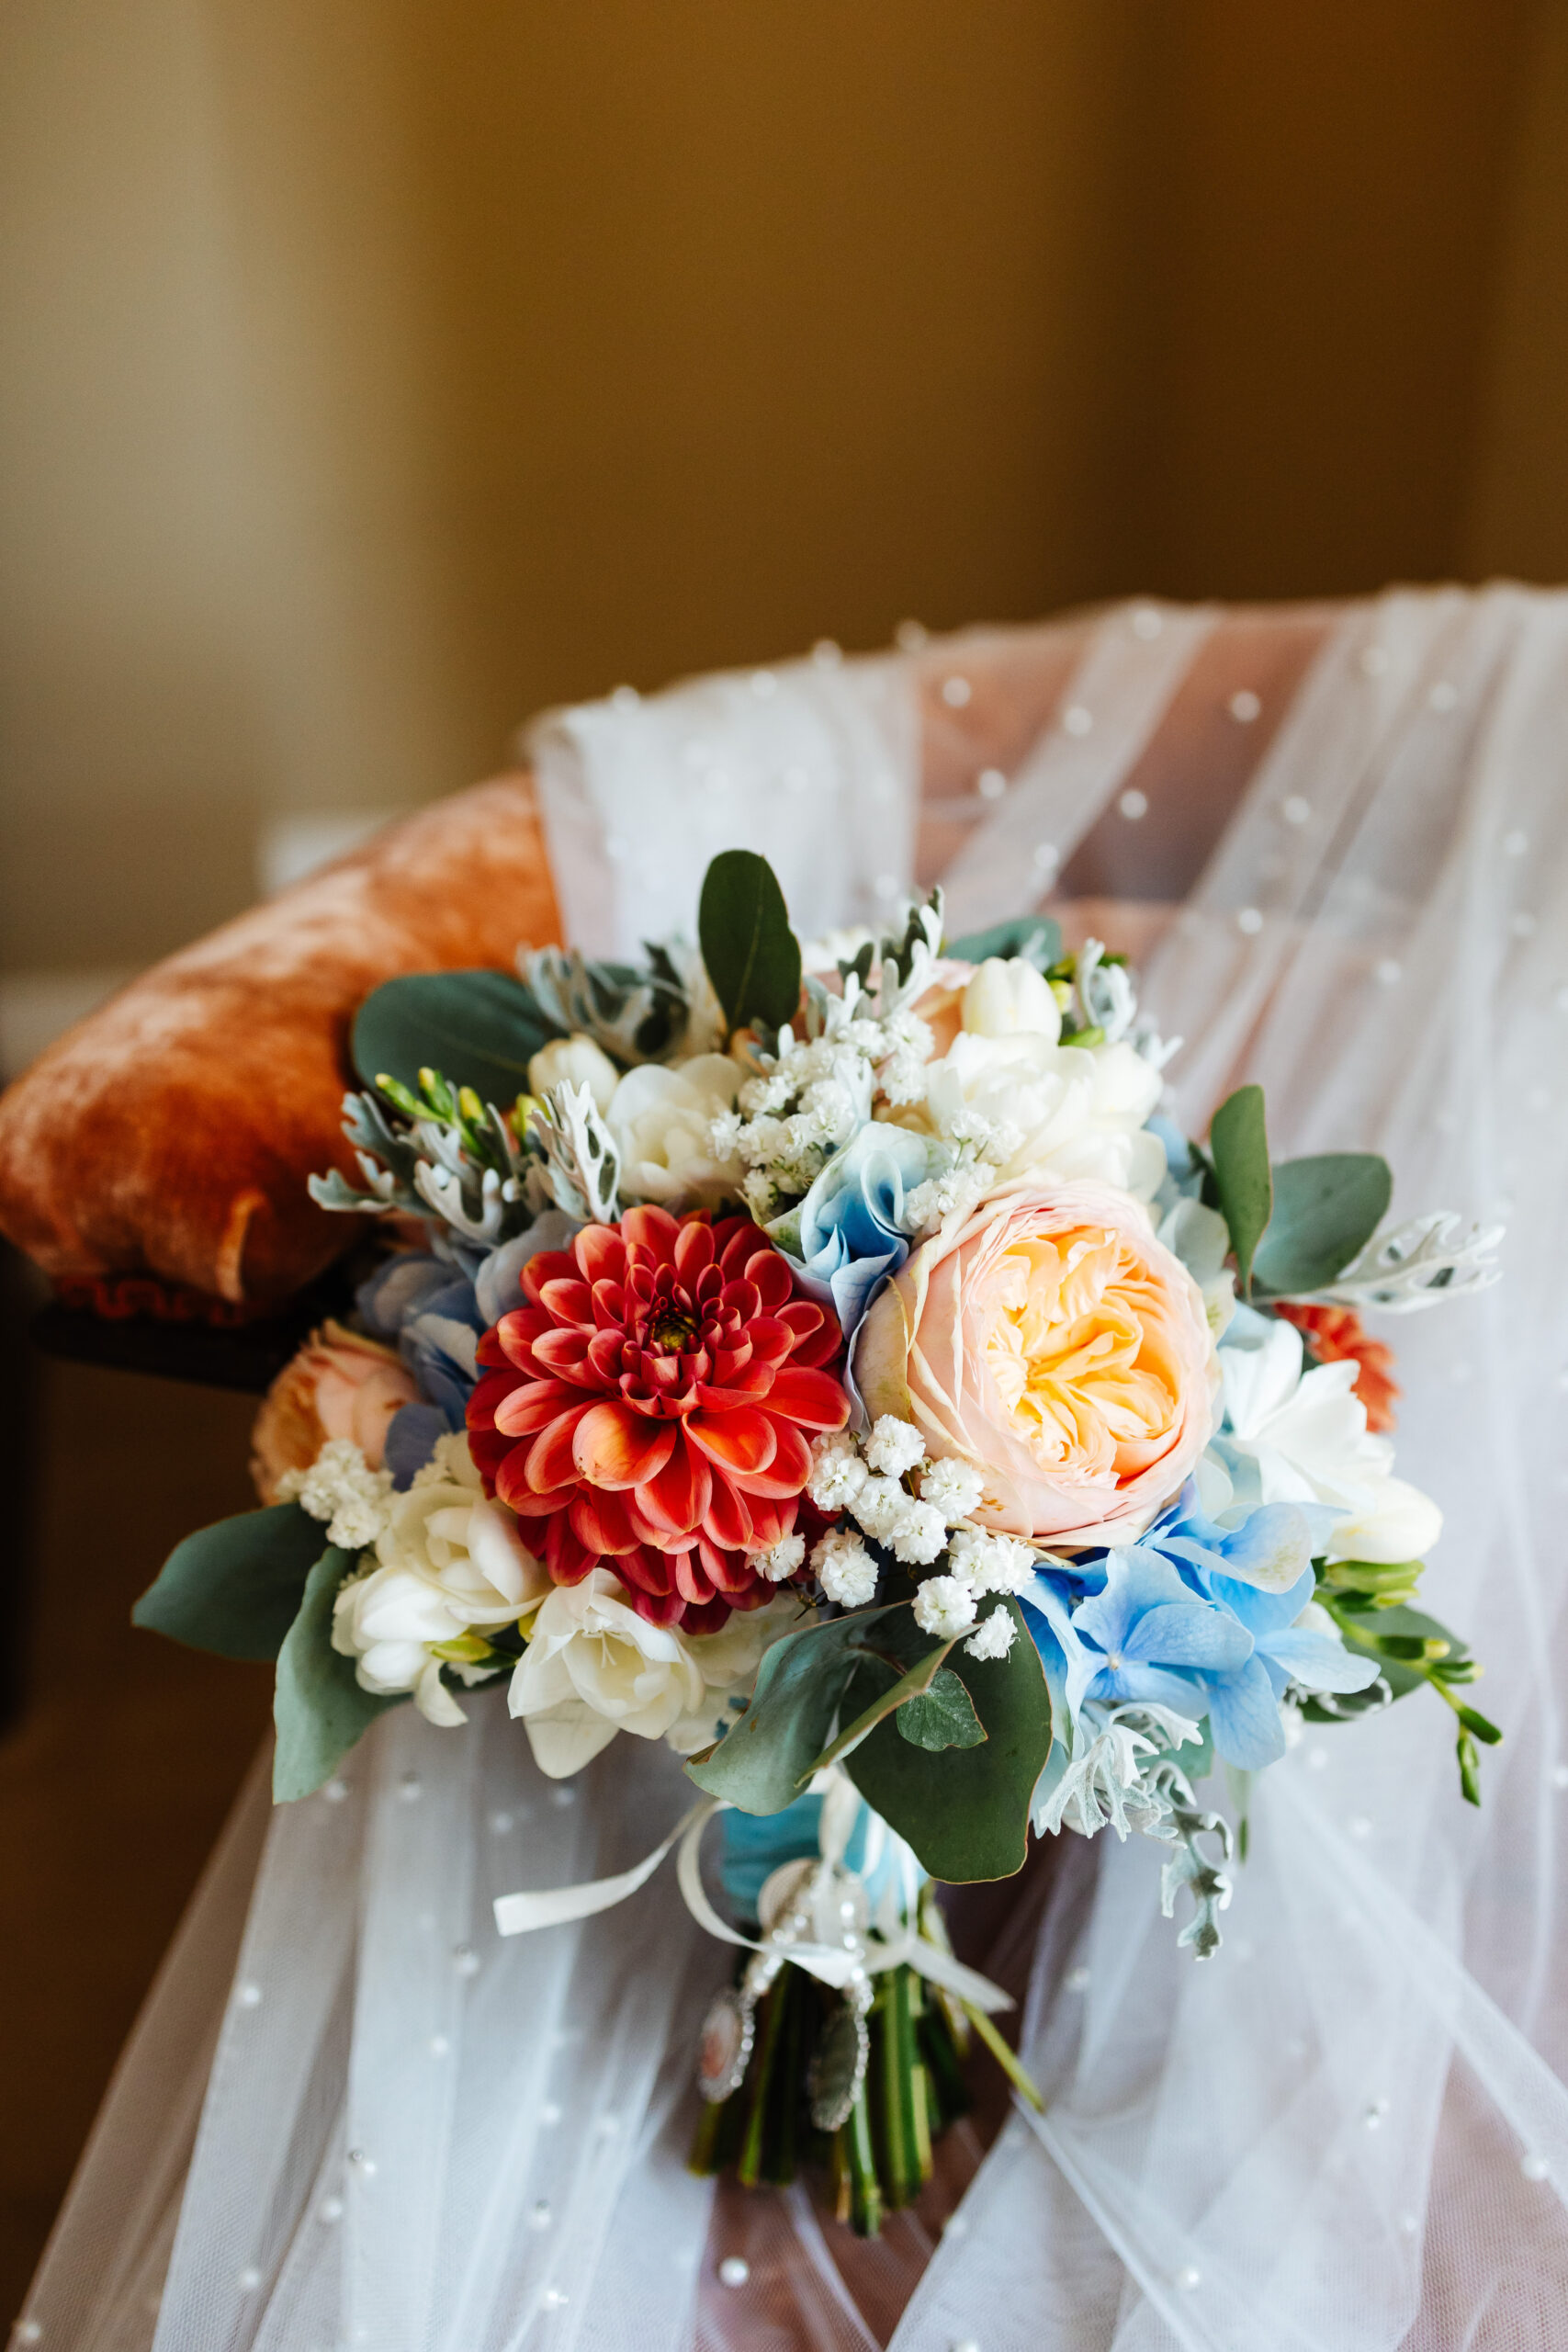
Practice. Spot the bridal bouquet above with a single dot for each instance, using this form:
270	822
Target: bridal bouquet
830	1361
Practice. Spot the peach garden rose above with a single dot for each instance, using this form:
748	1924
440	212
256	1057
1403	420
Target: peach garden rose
1048	1338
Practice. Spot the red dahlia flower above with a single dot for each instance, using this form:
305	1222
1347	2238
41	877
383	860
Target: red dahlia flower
1334	1334
653	1405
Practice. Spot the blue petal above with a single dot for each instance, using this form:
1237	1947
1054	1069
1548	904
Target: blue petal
1270	1547
410	1439
1265	1613
1134	1683
1189	1634
1245	1717
1318	1662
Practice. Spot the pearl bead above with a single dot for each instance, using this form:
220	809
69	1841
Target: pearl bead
1318	1759
1250	921
624	698
1535	2168
334	1792
965	2343
408	1788
249	2279
499	1823
331	2210
1243	706
910	636
554	2299
465	1960
827	653
1134	805
1047	856
1372	2116
1295	811
549	2112
1189	2275
887	886
563	1794
439	2045
249	1996
1560	1776
1358	1826
28	2330
1147	623
957	693
1077	1980
733	2271
541	2217
992	784
1076	720
1388	972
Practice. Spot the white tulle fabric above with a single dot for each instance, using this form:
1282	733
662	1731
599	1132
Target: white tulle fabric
1346	2133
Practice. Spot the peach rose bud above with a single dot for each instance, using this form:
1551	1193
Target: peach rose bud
339	1386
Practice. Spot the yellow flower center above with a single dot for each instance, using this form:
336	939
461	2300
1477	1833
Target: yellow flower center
1079	1353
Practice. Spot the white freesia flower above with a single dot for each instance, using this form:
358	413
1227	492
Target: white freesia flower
450	1567
1007	996
1061	1110
593	1667
661	1121
1295	1436
574	1061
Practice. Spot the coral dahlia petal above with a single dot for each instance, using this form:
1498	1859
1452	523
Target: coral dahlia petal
652	1406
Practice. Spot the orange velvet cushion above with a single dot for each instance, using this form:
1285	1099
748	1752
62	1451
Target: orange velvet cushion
171	1132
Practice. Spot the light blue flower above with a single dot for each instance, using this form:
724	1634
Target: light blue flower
846	1236
1152	1639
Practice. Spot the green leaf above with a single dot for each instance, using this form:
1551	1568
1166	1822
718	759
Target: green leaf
1037	938
1395	1637
965	1810
234	1587
1238	1148
1326	1209
479	1029
751	955
943	1716
900	1690
319	1708
759	1764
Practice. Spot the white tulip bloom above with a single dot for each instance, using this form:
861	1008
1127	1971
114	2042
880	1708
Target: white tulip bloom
575	1061
1007	996
660	1120
451	1567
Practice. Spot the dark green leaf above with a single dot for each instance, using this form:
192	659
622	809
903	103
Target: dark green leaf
759	1764
1037	938
751	955
319	1708
943	1717
234	1587
1326	1209
965	1810
898	1691
1238	1147
479	1029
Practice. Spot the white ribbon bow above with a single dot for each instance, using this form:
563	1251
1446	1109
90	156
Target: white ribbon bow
894	1944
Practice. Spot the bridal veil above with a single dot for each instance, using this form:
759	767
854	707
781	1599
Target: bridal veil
1336	843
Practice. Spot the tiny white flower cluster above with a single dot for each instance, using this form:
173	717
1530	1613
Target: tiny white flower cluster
816	1091
865	1479
341	1488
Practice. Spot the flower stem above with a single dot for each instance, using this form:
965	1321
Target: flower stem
1006	2057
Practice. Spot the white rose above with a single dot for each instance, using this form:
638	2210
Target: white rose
577	1061
451	1567
593	1667
661	1119
1007	995
1080	1111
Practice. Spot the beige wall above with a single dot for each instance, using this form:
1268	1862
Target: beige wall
375	372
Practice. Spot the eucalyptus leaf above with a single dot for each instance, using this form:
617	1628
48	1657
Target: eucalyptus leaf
234	1587
1238	1149
900	1690
761	1762
752	956
317	1707
1037	938
1325	1210
943	1716
479	1029
964	1810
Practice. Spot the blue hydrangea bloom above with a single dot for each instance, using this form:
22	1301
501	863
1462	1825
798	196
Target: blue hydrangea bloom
845	1235
1149	1636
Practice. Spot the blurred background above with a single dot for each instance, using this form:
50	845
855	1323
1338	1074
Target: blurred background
373	374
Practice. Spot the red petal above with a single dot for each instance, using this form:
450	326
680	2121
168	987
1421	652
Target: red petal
550	1460
709	1617
788	1471
600	1253
690	1582
728	1520
815	1400
486	1395
615	1447
743	1440
563	1351
548	1266
599	1522
653	1229
487	1452
693	1251
568	1302
676	1499
648	1570
610	1306
568	1560
532	1405
512	1485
